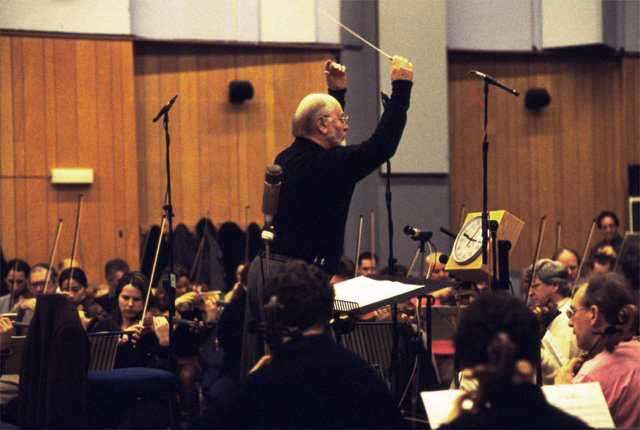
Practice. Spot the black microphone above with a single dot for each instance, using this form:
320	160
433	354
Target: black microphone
494	82
443	259
416	233
272	181
166	108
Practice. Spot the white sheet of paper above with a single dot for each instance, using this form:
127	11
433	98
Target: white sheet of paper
584	401
364	291
439	405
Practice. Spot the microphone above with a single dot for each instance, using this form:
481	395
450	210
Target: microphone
443	259
272	182
166	108
416	233
494	82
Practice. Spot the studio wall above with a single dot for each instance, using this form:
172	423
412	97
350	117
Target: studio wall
567	161
68	102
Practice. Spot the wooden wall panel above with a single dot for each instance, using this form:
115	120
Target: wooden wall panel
219	151
567	161
69	103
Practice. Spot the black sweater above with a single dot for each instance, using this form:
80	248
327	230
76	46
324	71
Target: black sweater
317	184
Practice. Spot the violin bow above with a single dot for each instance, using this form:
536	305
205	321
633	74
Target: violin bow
584	254
536	255
153	268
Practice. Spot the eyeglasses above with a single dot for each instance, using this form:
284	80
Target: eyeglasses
342	118
572	312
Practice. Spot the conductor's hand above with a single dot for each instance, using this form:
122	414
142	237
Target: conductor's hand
401	69
336	75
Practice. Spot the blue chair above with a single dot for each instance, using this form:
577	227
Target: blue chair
134	397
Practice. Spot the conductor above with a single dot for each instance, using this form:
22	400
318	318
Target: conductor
319	174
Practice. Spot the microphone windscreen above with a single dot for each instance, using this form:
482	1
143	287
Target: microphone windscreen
272	180
443	259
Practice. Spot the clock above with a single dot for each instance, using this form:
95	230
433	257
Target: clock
465	262
468	243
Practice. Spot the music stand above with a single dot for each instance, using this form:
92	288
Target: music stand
104	347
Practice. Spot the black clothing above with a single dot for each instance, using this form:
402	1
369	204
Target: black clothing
106	301
616	244
230	329
147	352
317	184
313	383
53	378
517	406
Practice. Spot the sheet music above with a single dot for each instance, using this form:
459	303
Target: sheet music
440	405
584	401
365	291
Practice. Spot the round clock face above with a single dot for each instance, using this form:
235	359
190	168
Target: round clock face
468	244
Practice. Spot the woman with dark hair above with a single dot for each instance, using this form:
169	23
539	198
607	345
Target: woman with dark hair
74	285
140	348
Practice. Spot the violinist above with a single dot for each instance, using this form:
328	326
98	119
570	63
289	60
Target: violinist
497	344
603	316
73	284
17	281
150	339
549	293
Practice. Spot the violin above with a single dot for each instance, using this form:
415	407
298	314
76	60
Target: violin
545	314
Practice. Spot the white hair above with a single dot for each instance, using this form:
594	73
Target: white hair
310	108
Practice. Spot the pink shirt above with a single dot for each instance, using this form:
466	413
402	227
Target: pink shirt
618	373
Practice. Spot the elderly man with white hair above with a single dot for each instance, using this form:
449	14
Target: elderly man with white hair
319	174
550	296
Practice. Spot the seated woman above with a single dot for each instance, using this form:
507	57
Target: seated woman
73	284
144	347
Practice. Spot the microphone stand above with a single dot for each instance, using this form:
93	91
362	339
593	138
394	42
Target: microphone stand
485	157
168	208
395	362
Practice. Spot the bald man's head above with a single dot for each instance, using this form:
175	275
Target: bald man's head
310	108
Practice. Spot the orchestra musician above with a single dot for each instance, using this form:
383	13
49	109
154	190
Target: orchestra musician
603	315
498	344
150	340
550	294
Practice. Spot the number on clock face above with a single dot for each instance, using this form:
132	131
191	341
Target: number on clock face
468	244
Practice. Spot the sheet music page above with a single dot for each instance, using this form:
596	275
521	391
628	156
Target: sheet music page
439	405
585	401
365	291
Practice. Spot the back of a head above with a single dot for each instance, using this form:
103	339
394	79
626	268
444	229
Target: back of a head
490	314
311	107
303	294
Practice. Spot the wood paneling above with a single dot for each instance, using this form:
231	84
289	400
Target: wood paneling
567	161
68	103
219	151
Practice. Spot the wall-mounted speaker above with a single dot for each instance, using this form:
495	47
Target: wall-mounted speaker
537	98
239	91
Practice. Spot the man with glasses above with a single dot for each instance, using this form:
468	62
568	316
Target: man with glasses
597	316
319	174
549	294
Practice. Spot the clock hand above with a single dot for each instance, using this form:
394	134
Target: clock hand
470	238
